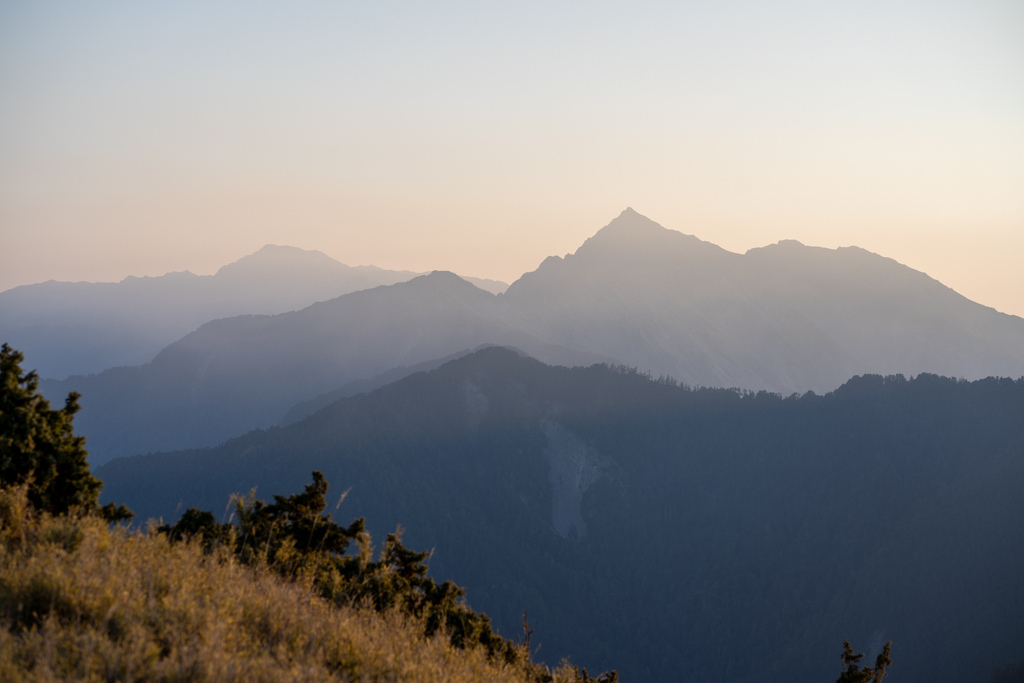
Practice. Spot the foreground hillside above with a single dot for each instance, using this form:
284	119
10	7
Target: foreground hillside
80	601
674	533
280	593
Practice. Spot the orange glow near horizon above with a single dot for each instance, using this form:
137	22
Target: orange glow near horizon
142	140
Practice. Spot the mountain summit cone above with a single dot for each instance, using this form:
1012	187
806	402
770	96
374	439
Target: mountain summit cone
633	232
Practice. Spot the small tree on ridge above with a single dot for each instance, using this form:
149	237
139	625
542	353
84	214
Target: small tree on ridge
854	674
38	446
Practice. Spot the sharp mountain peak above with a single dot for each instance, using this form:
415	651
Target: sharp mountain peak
632	232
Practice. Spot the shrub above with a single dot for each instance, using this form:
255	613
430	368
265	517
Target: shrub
296	539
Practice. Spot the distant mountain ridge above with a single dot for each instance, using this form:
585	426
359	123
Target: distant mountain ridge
785	318
67	328
235	374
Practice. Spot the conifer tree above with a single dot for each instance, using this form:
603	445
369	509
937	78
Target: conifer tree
38	446
854	674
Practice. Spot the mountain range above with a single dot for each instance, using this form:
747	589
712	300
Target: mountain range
786	318
235	374
668	532
81	328
682	462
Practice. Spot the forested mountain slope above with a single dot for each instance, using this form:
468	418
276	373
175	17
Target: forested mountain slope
670	533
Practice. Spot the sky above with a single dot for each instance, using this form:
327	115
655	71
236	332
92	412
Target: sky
481	137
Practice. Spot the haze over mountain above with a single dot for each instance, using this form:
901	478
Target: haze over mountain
234	374
675	534
67	328
785	318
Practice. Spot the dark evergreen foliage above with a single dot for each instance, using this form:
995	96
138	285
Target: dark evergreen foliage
294	537
1010	673
853	673
38	446
203	526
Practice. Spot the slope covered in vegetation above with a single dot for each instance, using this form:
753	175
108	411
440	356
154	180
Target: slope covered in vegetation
674	533
275	597
81	601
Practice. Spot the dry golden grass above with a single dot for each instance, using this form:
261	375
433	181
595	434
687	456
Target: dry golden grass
80	601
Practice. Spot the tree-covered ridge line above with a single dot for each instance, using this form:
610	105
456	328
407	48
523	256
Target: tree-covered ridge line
752	525
78	596
48	505
283	538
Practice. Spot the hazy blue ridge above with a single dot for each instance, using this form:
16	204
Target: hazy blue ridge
80	328
785	318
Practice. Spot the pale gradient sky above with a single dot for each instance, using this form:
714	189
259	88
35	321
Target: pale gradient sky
480	137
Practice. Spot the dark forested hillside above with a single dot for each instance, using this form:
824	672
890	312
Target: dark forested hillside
670	533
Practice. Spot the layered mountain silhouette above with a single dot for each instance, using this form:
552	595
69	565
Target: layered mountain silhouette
784	318
68	328
235	374
672	533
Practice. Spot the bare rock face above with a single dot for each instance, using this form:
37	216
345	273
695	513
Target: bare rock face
574	467
477	404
